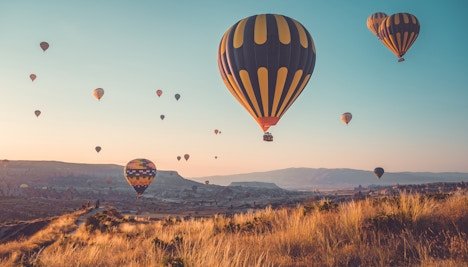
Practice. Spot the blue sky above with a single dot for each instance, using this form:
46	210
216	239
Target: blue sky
410	116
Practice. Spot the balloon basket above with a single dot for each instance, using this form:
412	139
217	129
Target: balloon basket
268	137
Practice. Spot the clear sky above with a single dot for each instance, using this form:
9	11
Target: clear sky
410	116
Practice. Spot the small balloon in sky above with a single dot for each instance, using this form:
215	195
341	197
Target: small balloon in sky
98	149
346	117
177	97
162	117
44	46
37	112
32	77
159	93
379	171
98	93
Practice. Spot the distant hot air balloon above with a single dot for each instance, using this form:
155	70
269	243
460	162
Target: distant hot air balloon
216	131
139	174
207	182
179	158
379	172
177	96
346	117
44	46
98	149
98	93
37	112
32	77
373	22
265	62
162	117
159	93
216	157
186	156
398	32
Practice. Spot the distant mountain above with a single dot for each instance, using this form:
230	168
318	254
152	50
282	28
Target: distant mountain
310	179
255	185
62	175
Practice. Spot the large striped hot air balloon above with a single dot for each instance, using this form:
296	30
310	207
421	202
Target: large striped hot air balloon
265	62
398	32
140	173
373	22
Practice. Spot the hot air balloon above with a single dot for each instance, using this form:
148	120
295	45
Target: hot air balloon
177	96
37	112
265	62
32	77
139	174
186	157
398	32
159	93
373	22
98	149
216	131
179	158
346	117
207	182
162	117
98	93
216	157
379	172
44	46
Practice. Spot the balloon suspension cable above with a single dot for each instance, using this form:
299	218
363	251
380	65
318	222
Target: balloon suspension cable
401	59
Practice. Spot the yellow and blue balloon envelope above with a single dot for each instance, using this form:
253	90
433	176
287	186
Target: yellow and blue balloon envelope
140	173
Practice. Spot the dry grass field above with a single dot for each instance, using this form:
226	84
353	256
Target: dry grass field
408	230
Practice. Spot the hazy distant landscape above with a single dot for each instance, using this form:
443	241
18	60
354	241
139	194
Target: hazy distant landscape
103	176
324	179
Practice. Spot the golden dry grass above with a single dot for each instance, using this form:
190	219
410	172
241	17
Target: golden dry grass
402	231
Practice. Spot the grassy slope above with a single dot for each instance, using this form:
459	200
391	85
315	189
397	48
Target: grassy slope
407	230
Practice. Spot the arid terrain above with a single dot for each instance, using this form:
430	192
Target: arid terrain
55	221
401	230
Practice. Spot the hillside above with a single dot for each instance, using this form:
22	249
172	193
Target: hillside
90	176
310	179
255	185
406	230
